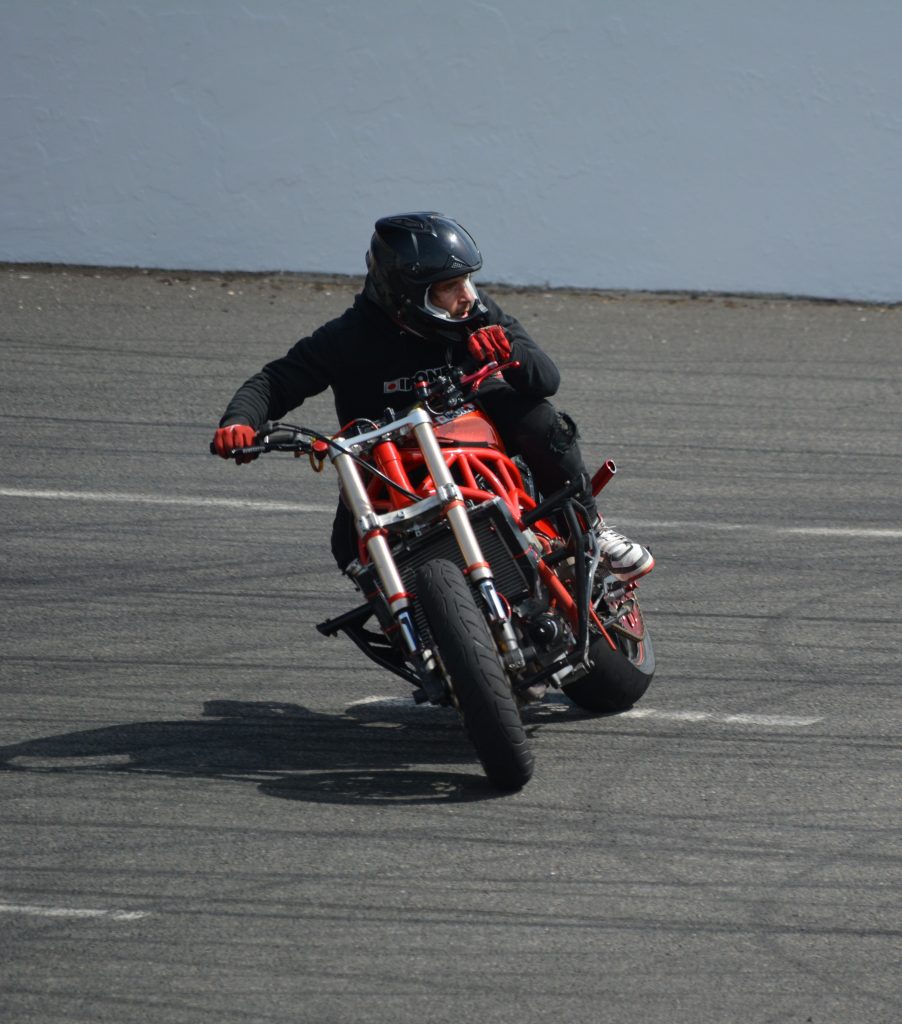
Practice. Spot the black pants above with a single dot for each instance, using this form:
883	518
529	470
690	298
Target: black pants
534	429
530	427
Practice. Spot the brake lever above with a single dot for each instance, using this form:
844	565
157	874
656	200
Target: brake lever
489	369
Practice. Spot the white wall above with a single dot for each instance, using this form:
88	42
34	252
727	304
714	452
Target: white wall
738	145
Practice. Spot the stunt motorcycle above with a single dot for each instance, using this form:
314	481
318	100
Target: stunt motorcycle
479	592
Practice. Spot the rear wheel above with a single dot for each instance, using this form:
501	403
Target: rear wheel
467	651
618	677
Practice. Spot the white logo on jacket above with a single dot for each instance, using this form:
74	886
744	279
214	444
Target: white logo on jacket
389	387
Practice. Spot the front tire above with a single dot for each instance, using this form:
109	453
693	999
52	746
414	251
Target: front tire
468	653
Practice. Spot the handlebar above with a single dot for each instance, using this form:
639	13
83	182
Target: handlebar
455	389
281	439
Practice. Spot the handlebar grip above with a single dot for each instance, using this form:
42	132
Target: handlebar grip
256	449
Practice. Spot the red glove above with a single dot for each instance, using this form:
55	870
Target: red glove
489	344
238	435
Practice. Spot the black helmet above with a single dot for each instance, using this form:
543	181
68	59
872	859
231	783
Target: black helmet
408	253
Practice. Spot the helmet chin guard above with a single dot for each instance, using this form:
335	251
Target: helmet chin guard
409	253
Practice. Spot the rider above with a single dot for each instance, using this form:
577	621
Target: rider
419	312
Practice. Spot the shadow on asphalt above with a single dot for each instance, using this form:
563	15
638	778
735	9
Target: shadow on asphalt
370	754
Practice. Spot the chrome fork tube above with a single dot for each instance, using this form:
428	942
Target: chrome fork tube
371	532
455	511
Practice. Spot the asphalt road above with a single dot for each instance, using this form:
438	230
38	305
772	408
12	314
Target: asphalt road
212	813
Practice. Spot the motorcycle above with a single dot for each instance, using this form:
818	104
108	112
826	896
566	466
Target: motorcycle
479	592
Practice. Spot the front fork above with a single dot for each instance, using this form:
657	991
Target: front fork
475	566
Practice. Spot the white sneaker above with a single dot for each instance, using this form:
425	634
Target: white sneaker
624	558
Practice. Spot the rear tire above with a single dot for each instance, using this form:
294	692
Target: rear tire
618	678
469	655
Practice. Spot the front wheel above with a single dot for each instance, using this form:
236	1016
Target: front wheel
467	651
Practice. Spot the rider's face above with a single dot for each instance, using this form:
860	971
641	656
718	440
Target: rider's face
456	295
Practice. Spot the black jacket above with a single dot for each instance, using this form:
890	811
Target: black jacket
370	363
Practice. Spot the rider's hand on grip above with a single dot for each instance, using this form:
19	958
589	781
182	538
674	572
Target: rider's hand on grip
489	344
237	435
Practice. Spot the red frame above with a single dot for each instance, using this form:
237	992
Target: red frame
471	445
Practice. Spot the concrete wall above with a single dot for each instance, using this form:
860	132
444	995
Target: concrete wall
648	144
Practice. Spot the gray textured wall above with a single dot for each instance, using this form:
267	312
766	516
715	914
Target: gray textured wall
664	144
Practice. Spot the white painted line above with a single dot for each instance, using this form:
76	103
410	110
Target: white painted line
113	497
776	721
688	525
38	911
189	501
407	702
714	718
